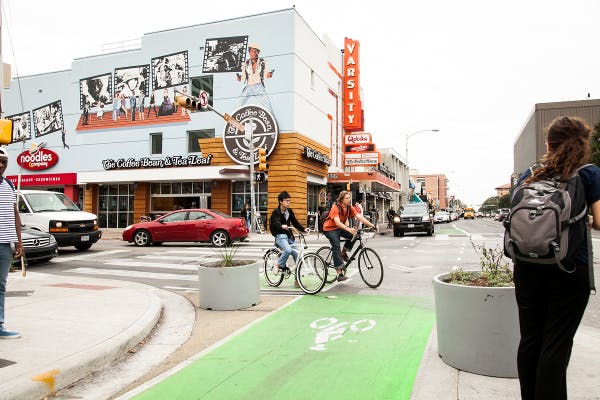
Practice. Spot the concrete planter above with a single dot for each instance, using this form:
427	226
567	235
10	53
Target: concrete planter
477	327
229	288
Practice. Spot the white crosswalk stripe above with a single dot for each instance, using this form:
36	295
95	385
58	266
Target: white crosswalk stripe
134	274
90	255
442	237
407	268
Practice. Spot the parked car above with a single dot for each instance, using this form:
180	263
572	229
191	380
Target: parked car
55	213
453	216
413	218
441	216
501	214
190	225
37	245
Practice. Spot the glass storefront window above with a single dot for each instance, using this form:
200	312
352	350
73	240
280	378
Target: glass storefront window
186	187
240	194
115	206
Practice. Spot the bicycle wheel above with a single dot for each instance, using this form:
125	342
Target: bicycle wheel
270	259
325	253
311	273
370	267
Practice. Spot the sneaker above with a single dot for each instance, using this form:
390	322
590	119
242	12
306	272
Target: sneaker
286	272
276	269
4	334
341	277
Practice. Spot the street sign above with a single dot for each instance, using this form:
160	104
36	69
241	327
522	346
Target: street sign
203	97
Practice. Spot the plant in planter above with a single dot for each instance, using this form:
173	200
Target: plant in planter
477	316
229	283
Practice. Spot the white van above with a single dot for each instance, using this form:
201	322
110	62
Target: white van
55	213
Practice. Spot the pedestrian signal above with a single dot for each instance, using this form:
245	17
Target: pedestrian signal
262	159
260	176
5	131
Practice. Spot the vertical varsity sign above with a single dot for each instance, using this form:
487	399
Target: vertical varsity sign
352	105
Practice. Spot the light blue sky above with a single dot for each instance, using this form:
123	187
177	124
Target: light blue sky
473	69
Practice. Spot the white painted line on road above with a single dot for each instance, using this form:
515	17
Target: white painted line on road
477	237
88	255
408	238
133	274
183	289
442	237
130	263
172	258
408	269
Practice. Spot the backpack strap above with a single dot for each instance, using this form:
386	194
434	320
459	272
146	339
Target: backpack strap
590	256
9	183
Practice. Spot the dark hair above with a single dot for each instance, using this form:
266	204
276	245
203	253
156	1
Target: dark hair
568	141
283	195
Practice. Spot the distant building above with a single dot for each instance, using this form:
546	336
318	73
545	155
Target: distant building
502	190
529	146
435	187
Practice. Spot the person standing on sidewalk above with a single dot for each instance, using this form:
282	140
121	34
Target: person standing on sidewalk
335	228
552	302
10	237
279	224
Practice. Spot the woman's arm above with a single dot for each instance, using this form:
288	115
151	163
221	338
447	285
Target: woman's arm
595	220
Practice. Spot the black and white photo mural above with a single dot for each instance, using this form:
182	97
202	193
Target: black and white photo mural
224	54
48	119
21	129
170	70
133	81
95	90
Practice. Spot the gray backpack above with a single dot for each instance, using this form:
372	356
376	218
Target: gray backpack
547	222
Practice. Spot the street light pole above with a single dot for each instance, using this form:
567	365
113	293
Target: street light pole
409	135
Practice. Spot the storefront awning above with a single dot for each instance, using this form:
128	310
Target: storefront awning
379	182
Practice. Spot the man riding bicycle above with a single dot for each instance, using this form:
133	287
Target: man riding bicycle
279	224
334	228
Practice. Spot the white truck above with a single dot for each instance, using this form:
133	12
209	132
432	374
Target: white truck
56	214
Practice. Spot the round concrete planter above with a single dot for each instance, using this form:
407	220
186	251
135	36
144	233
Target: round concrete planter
229	288
477	327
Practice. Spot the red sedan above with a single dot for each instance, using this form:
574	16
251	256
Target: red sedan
193	225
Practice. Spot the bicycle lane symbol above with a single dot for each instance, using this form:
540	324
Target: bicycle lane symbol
330	330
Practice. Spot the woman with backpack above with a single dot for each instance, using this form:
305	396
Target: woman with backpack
552	300
335	228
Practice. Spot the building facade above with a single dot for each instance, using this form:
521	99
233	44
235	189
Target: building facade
433	186
529	145
120	144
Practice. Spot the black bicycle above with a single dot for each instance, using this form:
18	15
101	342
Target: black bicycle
370	266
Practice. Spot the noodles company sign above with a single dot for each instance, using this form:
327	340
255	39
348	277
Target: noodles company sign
39	160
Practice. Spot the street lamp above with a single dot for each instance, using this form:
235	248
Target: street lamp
409	135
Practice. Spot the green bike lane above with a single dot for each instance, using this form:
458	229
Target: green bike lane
324	346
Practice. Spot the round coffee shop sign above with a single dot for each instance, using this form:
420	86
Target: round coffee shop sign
259	125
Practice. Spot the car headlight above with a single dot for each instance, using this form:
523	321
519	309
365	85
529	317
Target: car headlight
58	224
396	219
425	218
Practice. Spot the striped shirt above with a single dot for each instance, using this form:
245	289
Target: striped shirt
8	198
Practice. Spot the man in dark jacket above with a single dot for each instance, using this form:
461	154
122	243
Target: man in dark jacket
279	224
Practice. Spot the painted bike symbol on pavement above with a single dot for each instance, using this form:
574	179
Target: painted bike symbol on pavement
329	330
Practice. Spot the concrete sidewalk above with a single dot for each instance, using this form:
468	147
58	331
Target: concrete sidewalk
70	327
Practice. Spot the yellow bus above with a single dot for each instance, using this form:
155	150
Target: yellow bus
469	212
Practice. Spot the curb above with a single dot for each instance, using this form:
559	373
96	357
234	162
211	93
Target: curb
77	366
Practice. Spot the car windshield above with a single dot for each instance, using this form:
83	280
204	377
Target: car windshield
42	202
414	209
441	213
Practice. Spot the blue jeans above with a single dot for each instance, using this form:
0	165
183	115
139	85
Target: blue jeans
334	239
6	257
285	243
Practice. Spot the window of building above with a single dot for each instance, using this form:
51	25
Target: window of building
115	205
156	143
193	136
240	195
203	83
168	196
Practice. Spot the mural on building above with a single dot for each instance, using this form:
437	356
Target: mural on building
95	90
253	73
170	70
21	129
224	54
132	81
48	119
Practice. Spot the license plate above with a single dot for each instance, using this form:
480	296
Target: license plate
411	225
85	238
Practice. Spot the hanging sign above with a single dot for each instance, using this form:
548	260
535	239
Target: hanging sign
39	160
351	101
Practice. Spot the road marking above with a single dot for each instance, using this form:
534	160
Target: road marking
131	263
172	258
133	274
408	238
183	289
442	237
89	255
409	269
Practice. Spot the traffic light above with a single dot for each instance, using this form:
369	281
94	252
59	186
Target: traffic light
187	102
262	159
348	186
5	131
